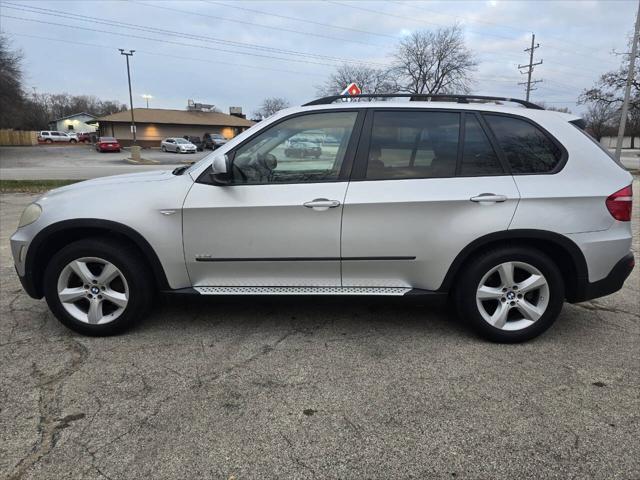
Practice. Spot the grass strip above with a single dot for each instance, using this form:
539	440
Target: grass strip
32	186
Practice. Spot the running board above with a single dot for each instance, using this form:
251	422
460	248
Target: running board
393	291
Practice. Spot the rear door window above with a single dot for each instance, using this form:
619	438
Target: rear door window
527	148
413	144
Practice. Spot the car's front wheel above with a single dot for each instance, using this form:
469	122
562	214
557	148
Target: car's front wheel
510	295
98	287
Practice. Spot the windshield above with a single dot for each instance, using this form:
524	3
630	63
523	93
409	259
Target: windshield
181	140
107	139
217	136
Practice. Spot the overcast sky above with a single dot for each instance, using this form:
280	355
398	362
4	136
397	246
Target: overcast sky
235	53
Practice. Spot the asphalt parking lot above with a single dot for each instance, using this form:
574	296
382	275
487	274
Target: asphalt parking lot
84	155
302	387
81	162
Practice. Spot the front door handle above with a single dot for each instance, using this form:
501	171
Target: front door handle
321	204
489	197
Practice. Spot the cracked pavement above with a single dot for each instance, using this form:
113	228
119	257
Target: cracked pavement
303	387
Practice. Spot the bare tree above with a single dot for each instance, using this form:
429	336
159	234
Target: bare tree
11	94
370	80
599	117
609	89
608	92
434	62
270	106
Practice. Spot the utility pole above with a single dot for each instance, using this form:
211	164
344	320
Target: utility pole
133	123
530	66
627	90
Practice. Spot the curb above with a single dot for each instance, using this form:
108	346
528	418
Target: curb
142	161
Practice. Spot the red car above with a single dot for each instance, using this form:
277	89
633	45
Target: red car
107	144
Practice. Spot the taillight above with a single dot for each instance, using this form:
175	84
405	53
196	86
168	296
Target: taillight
619	204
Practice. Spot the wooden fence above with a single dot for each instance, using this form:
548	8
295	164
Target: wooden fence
18	137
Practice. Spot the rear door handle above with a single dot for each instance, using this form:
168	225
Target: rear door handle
321	204
489	197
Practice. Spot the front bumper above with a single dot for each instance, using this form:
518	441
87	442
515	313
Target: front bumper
20	242
611	283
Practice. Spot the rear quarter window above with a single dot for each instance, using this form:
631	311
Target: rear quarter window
581	125
526	147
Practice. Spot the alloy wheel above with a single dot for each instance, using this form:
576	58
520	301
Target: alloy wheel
512	296
93	290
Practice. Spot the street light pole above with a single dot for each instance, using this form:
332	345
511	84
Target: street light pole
146	96
133	123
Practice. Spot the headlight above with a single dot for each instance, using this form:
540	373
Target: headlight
30	214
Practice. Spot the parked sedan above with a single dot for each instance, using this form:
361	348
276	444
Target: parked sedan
302	149
107	144
196	141
177	145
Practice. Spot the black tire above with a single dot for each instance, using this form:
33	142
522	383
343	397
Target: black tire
122	255
469	280
163	148
73	141
48	140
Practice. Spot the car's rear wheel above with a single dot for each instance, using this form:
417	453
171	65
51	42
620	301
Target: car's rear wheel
98	287
48	140
511	294
73	141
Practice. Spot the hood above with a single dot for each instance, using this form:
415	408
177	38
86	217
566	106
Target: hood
153	176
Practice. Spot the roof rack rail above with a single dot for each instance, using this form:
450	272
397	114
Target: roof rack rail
424	97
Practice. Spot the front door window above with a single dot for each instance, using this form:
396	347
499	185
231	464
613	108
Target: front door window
303	149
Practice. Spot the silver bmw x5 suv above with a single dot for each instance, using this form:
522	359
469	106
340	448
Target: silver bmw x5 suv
509	210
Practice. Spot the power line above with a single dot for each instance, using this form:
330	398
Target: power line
244	22
209	39
516	29
118	24
205	60
298	19
236	52
423	21
167	55
157	31
487	79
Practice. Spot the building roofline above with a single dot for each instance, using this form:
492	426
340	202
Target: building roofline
74	115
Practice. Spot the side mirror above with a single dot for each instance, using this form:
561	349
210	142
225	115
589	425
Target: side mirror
221	170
